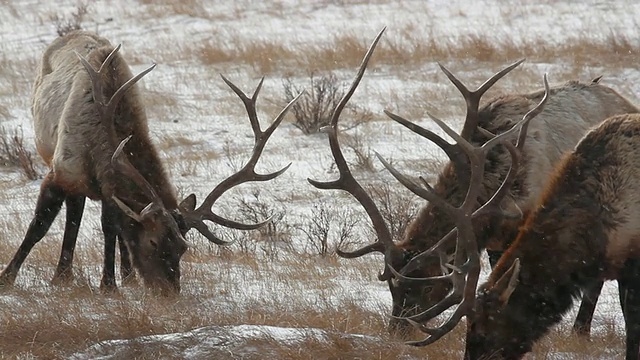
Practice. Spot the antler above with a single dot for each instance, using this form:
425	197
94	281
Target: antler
472	98
348	183
106	111
105	108
465	271
195	217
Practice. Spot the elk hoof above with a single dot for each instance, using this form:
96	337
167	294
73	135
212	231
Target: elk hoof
6	280
129	280
108	287
64	277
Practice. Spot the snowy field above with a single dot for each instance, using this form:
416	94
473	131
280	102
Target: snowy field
271	286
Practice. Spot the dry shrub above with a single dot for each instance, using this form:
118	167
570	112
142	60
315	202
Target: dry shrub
363	154
13	153
325	223
65	24
398	208
314	108
274	236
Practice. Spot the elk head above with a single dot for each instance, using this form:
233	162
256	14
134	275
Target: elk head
510	338
154	232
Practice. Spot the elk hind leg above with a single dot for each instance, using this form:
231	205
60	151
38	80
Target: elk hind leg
75	209
47	208
582	325
629	289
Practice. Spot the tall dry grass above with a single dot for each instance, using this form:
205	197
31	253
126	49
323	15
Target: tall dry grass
408	49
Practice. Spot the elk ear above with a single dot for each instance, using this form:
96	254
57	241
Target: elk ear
126	209
508	282
189	203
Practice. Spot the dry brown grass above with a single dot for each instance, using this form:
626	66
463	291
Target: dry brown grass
164	8
40	321
408	49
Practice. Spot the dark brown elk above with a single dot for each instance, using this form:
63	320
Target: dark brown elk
583	227
461	214
92	131
573	108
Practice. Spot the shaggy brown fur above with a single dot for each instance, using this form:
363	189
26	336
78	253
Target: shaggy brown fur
584	227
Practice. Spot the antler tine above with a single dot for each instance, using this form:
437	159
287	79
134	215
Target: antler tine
425	193
195	219
437	333
123	164
347	182
514	151
107	108
249	104
472	98
452	150
94	75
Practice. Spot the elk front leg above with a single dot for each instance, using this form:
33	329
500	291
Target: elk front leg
47	208
75	209
110	227
126	268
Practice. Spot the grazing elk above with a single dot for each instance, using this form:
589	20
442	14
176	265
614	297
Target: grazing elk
466	258
95	140
573	108
584	226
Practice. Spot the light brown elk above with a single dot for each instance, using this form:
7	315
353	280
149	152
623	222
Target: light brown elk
572	109
91	130
584	226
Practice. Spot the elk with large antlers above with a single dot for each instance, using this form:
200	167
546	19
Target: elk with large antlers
583	227
572	109
91	130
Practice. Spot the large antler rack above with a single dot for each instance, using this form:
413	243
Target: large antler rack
195	217
465	270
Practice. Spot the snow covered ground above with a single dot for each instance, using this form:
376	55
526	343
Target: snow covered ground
190	103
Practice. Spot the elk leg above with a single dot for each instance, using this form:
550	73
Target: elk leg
75	209
47	208
110	229
629	289
582	325
126	269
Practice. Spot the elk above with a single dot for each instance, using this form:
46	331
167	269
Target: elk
92	132
573	108
582	228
